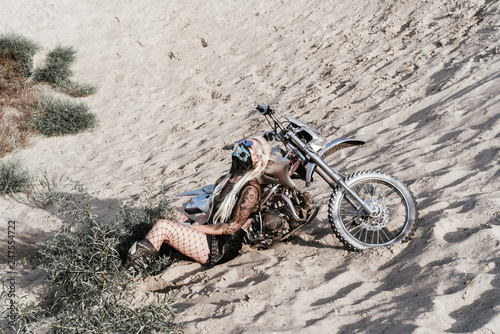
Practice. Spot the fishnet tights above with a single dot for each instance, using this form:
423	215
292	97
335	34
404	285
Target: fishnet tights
185	239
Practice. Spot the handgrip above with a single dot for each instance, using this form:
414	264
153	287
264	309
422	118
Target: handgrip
263	109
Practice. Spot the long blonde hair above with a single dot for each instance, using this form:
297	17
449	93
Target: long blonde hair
263	151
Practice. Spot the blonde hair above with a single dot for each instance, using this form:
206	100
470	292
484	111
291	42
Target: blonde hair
263	151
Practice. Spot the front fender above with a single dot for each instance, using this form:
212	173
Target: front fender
338	144
328	149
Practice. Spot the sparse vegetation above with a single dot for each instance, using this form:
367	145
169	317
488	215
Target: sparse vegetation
57	72
80	89
44	191
56	117
89	294
21	96
17	99
14	178
18	51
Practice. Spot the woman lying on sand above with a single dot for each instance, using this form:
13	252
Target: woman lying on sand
217	237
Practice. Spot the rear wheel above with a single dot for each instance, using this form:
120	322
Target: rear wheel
396	214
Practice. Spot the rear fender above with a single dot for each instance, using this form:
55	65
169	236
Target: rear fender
198	204
200	201
205	190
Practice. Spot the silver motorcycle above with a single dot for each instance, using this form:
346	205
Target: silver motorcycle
366	209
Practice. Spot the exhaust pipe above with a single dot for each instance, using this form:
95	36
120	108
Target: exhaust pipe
291	209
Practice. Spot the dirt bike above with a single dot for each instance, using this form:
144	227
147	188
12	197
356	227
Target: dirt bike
366	209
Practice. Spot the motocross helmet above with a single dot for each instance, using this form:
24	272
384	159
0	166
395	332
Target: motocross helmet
241	159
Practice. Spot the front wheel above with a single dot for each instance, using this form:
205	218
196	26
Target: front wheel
396	211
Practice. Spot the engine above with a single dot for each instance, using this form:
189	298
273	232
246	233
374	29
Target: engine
273	221
280	215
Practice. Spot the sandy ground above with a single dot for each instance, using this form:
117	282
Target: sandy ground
417	80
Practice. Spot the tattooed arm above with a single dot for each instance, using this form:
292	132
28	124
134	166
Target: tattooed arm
247	204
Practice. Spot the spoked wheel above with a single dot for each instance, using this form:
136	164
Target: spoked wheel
394	220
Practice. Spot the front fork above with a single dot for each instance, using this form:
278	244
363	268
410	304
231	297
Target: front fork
333	178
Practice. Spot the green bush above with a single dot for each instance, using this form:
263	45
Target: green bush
14	178
56	117
89	292
20	50
56	70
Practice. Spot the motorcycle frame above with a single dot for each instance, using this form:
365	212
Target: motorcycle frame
315	161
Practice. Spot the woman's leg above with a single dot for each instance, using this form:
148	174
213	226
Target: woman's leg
185	239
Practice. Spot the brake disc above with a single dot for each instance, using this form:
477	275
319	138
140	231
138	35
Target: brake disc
379	220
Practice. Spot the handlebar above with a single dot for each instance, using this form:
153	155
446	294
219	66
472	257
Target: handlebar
263	109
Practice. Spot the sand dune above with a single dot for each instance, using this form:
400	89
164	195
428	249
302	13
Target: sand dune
417	80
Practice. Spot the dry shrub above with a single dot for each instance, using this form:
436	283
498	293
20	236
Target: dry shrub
89	293
23	110
19	50
57	73
14	178
17	100
57	67
57	117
